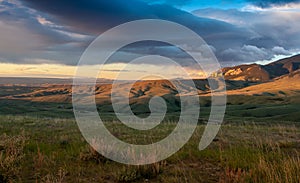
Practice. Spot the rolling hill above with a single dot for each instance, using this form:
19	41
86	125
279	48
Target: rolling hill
285	85
277	79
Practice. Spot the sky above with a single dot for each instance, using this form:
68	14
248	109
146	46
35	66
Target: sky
47	38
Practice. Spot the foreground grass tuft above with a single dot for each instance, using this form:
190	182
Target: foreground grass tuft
264	159
11	156
145	172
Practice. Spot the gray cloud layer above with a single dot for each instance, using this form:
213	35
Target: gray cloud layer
269	3
277	33
58	31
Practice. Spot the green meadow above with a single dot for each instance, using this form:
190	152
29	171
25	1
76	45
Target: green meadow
257	143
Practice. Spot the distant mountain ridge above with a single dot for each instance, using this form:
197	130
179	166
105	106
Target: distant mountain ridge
262	73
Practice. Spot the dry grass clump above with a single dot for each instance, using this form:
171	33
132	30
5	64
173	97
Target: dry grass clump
282	170
279	170
146	172
90	154
11	155
262	160
235	175
55	178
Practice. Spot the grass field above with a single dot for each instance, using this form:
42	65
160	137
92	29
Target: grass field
47	149
239	109
258	142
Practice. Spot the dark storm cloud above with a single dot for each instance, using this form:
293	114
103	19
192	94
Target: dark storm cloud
15	14
171	2
96	16
29	36
269	3
66	27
